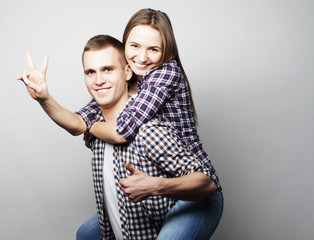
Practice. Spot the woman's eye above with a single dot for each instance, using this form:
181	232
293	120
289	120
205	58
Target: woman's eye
155	49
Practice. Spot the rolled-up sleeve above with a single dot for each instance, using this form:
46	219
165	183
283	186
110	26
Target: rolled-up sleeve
89	112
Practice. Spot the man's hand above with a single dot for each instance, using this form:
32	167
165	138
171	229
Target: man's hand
139	185
34	80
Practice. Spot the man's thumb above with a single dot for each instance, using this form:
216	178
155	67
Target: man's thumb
130	168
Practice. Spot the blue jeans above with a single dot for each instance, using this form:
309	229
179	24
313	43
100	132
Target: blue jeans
193	220
190	220
90	230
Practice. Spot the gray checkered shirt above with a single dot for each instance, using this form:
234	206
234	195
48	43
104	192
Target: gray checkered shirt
156	150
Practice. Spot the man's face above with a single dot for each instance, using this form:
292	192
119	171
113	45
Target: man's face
106	76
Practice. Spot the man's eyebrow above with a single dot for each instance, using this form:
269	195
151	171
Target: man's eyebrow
89	70
108	66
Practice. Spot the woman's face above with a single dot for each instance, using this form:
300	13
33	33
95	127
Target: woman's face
143	49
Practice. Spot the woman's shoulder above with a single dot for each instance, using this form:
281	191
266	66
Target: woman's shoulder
170	67
168	72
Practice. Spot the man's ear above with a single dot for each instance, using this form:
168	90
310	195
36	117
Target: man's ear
129	72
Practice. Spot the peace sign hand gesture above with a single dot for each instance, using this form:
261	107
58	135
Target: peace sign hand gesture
34	80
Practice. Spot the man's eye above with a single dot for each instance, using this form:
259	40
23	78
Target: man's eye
108	69
134	45
90	73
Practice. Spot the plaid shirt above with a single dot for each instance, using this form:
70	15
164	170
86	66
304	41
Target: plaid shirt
162	93
158	151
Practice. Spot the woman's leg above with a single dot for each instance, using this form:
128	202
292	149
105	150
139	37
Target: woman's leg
90	230
193	219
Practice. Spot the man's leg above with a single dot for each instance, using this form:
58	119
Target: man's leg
90	230
190	220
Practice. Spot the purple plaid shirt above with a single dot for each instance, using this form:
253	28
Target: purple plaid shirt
162	93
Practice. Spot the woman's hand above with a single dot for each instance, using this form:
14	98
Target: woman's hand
88	138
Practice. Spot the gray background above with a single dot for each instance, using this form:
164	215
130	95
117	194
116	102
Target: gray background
250	64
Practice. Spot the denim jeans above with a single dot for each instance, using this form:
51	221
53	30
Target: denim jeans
90	230
186	220
193	220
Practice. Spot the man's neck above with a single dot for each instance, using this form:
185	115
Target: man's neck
110	113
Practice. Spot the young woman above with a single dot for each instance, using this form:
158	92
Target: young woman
163	92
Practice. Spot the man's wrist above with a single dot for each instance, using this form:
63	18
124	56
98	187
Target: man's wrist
159	186
45	101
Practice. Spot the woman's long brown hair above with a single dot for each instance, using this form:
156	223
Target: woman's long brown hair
161	22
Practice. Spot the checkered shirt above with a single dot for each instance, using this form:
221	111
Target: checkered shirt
156	150
163	93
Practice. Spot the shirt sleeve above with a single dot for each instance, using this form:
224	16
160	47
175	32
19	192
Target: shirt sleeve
89	112
158	86
161	145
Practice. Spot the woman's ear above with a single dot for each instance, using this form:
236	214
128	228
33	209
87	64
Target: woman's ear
129	72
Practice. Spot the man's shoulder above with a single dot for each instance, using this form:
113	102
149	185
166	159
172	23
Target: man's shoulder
156	130
154	123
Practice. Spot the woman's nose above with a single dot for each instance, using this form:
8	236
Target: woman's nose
142	55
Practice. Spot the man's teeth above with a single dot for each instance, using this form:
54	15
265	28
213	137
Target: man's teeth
102	90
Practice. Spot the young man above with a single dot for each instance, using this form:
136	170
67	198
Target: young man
129	207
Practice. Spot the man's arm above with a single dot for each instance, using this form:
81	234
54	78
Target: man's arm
189	178
193	186
35	82
71	122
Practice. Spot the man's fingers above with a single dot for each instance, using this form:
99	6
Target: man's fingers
25	78
44	65
30	84
130	168
34	86
30	61
123	184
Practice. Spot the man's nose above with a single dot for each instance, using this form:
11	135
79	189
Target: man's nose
100	79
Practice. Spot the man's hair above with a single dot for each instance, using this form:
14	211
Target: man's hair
100	42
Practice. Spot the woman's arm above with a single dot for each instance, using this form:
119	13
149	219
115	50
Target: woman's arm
154	90
157	87
106	131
